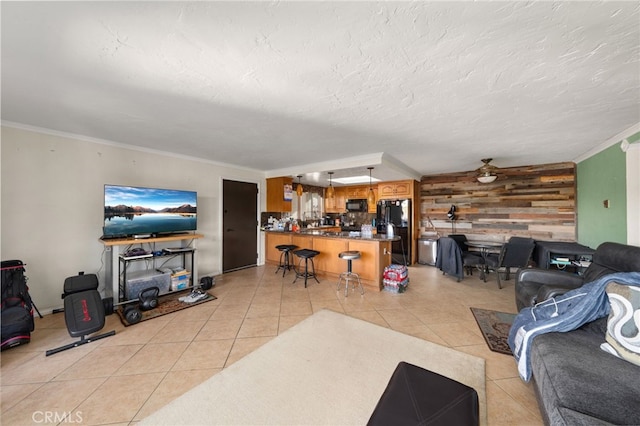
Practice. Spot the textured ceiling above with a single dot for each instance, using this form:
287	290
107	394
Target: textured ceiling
412	88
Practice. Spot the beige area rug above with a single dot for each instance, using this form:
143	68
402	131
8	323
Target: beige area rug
329	369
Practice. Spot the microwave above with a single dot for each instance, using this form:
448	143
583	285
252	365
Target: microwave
357	205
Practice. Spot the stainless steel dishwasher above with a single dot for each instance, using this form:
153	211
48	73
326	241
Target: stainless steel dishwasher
427	250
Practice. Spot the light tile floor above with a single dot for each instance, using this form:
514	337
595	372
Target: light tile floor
121	379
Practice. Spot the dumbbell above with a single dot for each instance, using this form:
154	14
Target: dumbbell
132	314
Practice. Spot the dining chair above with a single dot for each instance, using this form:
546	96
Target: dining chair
449	258
522	240
494	258
470	260
514	254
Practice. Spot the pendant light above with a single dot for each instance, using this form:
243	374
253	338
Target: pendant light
371	198
487	173
330	188
299	189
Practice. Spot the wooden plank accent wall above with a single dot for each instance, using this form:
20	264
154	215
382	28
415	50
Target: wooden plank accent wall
531	201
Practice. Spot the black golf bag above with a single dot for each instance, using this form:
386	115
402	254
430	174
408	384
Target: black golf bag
16	307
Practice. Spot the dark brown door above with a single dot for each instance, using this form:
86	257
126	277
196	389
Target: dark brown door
239	225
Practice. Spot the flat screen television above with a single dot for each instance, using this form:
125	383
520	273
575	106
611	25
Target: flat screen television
131	211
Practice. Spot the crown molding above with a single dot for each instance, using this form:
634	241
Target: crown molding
609	142
90	139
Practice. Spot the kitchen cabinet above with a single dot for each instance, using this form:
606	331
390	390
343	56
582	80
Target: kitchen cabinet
356	192
396	189
302	241
329	248
342	194
330	204
373	259
361	192
275	194
337	204
375	255
275	239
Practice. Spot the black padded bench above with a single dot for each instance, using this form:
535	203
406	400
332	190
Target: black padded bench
84	311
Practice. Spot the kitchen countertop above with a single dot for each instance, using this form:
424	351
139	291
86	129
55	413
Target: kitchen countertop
343	234
303	229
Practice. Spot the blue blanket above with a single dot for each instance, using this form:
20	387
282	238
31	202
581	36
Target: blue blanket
563	313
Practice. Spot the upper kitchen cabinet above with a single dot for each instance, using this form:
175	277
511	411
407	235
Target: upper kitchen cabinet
356	192
337	204
396	189
276	193
342	194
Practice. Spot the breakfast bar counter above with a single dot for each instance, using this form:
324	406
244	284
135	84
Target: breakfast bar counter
375	252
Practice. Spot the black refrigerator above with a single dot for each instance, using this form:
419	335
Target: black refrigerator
398	213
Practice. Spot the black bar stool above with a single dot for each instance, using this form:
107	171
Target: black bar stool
349	275
285	258
307	255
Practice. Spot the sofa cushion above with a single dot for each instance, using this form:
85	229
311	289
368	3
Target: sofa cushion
622	330
610	258
572	374
571	417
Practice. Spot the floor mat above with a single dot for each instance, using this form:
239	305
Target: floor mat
494	326
167	304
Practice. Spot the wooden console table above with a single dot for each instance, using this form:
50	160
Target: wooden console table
116	247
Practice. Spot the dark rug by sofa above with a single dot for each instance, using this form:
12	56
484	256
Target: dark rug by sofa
167	304
494	326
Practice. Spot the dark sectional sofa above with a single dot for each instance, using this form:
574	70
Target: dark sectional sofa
576	382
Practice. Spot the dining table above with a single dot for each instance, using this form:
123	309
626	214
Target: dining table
485	248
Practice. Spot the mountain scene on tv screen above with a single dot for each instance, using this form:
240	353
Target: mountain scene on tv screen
121	210
130	211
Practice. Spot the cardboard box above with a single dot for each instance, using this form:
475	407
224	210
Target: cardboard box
180	281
